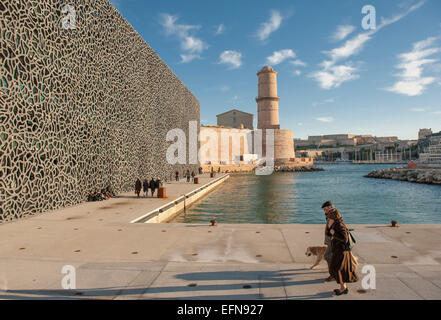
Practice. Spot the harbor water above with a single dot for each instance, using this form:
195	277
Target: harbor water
297	198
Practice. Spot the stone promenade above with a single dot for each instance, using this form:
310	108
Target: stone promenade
114	259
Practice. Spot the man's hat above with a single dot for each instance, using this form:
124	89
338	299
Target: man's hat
327	204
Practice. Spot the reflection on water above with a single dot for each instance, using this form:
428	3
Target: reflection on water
297	197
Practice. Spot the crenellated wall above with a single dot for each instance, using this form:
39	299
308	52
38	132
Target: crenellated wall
81	108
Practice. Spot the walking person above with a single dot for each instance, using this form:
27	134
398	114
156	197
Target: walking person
177	176
145	188
138	187
188	175
343	263
152	186
158	183
327	207
192	176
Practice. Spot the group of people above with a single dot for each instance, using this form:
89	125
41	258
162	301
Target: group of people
105	194
341	263
187	175
153	184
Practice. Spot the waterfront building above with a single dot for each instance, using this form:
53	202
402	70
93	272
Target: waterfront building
432	154
423	133
81	108
236	119
226	145
342	140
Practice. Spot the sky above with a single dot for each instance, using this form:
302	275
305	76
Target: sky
342	67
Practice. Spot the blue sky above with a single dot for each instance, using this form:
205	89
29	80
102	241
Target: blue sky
333	75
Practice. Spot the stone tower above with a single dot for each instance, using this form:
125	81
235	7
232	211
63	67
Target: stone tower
267	100
268	117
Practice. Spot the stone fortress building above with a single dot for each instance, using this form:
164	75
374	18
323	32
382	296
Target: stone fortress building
236	119
81	108
228	144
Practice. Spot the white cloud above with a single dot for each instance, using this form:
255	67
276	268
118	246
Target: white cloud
411	87
191	45
185	58
351	47
325	119
333	75
436	112
232	58
330	100
280	56
398	17
266	28
168	21
342	32
417	109
411	82
220	29
298	62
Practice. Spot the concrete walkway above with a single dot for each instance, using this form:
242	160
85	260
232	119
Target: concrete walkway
114	259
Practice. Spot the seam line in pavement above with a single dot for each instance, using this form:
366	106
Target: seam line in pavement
287	246
422	298
153	281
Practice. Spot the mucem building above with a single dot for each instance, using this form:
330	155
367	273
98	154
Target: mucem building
84	103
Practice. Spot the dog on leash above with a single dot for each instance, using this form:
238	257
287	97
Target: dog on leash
319	252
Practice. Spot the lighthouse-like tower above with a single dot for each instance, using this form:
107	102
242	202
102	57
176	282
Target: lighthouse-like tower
267	100
268	116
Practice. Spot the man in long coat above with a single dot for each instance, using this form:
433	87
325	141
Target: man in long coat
328	207
340	253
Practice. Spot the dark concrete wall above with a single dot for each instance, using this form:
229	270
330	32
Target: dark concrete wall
80	108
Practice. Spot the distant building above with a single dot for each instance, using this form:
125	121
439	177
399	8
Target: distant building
222	145
423	133
342	140
236	119
329	140
432	154
386	139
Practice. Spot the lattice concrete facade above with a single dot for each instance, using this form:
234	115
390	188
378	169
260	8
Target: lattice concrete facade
80	108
